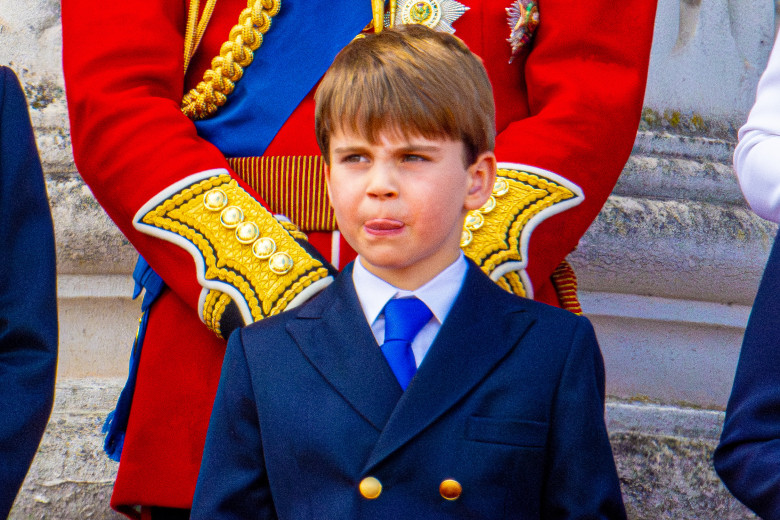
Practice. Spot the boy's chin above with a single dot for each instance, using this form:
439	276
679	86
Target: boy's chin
404	272
377	265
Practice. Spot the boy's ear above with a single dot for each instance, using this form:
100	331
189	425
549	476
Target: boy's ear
482	177
326	170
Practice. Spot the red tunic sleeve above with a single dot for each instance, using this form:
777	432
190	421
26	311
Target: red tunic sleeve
142	158
569	104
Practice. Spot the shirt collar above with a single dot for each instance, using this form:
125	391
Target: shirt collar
438	294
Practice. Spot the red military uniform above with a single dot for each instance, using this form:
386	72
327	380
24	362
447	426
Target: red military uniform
567	105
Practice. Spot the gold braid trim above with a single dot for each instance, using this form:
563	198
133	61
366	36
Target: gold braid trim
293	230
213	309
235	54
493	234
504	284
266	287
196	28
511	282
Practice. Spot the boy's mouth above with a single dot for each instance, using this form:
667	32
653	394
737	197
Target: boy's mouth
383	226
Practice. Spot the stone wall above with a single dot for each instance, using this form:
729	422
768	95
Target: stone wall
667	272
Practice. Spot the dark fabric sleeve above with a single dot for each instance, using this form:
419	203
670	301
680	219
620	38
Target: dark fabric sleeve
28	304
748	456
233	483
581	480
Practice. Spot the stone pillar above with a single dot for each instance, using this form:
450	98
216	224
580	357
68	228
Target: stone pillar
670	268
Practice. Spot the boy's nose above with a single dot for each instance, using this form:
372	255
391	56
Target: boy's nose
383	182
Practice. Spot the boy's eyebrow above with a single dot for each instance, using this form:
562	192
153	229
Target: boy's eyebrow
349	149
419	148
401	149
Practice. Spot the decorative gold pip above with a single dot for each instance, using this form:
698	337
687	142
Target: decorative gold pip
493	234
235	54
211	214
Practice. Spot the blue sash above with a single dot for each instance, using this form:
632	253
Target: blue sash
115	426
297	50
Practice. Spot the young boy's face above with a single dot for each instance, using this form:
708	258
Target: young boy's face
400	203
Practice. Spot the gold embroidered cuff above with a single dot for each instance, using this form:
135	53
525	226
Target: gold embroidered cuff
496	235
243	253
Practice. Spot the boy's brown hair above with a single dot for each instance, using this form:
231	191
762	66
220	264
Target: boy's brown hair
409	79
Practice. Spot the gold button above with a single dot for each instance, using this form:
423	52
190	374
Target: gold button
465	238
370	488
450	489
247	232
489	206
215	200
264	247
280	263
231	216
501	187
474	220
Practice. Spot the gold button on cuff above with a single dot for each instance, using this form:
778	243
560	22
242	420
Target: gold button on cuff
501	187
465	238
263	248
489	206
450	489
280	263
231	216
370	488
247	232
215	200
474	220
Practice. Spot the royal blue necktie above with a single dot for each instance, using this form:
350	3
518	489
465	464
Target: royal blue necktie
404	318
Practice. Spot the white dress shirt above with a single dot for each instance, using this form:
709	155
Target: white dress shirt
757	156
438	294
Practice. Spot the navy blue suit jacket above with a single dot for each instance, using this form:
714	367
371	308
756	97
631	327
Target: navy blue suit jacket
509	401
748	456
28	300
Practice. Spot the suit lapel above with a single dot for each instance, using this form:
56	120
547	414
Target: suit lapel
333	335
480	330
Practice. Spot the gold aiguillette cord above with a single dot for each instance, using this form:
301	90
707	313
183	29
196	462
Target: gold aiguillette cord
378	10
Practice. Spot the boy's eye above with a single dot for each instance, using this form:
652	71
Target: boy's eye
354	158
411	157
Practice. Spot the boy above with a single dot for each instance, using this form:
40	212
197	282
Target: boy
504	415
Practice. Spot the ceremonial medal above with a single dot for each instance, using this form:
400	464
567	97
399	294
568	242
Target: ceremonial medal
523	21
436	14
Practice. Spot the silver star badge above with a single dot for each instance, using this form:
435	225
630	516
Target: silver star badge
436	14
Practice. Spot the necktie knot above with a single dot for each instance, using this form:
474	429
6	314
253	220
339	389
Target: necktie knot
404	318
